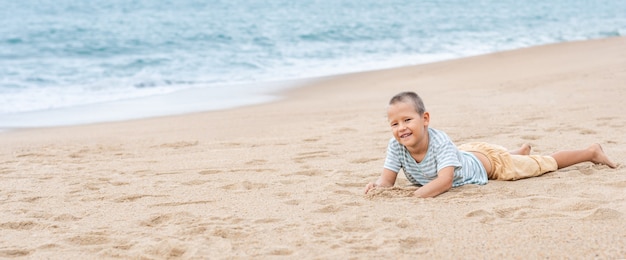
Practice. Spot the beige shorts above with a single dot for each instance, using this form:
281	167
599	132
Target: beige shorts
506	166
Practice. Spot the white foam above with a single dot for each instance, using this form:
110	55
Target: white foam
180	102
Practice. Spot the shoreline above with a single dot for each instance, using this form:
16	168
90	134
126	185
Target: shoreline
187	101
286	178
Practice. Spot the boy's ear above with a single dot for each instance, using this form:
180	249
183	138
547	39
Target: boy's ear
426	117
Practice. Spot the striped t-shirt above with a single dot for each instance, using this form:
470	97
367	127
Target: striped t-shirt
441	153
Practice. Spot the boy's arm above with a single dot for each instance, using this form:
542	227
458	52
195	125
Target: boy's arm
386	179
439	185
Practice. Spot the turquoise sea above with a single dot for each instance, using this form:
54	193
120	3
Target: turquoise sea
73	62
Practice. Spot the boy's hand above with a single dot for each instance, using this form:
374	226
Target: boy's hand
387	179
370	186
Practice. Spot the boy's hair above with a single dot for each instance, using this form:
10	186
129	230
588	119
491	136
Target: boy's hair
409	98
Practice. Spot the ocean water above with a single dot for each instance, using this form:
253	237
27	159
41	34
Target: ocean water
73	62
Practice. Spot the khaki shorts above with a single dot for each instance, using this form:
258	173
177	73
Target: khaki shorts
509	167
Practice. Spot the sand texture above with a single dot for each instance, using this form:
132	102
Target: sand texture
286	179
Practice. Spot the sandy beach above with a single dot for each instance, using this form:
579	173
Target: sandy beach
285	179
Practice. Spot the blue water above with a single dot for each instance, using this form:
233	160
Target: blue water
71	61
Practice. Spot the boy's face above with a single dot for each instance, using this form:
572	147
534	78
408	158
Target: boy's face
408	126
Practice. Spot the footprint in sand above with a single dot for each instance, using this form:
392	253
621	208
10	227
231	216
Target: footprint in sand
311	139
306	156
229	233
178	145
195	182
280	251
604	214
291	182
66	218
31	199
131	198
256	162
582	131
412	241
89	239
245	186
207	172
292	202
531	137
481	215
350	184
346	130
328	209
157	220
13	253
349	226
393	192
20	225
306	173
172	204
343	192
267	220
364	160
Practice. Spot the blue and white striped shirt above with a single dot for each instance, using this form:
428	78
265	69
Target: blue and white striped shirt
441	153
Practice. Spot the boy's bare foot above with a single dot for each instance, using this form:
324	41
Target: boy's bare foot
600	157
523	150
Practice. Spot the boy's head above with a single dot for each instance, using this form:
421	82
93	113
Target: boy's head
410	98
409	121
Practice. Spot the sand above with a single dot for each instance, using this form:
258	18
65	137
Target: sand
285	179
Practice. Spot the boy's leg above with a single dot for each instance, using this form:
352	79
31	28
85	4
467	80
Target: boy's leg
593	153
502	164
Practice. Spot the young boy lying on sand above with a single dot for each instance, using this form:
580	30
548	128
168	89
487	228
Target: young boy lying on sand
430	159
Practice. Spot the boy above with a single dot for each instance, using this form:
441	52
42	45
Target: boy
430	159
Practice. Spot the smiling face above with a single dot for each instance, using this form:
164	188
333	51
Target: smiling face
409	127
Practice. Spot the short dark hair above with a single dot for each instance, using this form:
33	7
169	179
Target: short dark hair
410	98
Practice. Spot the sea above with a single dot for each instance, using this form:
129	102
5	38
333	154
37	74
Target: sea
68	62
